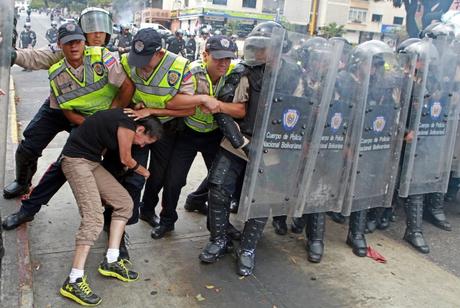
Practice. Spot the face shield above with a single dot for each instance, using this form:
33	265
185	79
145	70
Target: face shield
96	20
255	50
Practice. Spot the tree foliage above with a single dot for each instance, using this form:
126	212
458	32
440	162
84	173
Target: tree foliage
332	30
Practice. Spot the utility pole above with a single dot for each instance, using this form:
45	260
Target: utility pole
314	16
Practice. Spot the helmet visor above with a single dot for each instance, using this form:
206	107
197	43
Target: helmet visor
96	21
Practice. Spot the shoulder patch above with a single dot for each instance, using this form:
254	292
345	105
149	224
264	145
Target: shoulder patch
173	78
108	59
187	75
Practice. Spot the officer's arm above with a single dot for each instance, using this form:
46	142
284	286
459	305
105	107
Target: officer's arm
170	112
235	110
38	59
125	94
74	117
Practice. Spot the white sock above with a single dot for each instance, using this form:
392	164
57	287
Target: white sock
75	273
112	255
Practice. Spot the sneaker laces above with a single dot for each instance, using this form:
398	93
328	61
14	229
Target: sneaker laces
84	286
122	264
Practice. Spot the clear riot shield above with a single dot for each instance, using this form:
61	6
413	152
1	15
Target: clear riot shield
288	116
323	187
6	33
376	162
427	161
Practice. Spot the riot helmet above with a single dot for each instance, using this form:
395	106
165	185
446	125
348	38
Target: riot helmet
217	32
437	30
27	25
179	33
372	53
94	19
258	42
406	43
305	50
54	24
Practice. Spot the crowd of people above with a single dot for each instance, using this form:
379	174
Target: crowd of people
136	124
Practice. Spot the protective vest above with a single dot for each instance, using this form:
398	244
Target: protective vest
200	121
95	93
161	86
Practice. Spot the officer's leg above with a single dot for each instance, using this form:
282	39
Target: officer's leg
316	227
414	215
298	224
45	125
434	210
371	221
246	253
452	190
336	217
181	160
160	154
356	228
50	183
196	201
225	176
280	225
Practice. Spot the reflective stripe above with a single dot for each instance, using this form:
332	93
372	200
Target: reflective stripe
89	74
82	91
160	91
200	126
54	74
164	69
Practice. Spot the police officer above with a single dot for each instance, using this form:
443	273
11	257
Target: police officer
234	38
47	123
201	133
201	42
190	47
123	41
157	75
52	33
176	43
28	37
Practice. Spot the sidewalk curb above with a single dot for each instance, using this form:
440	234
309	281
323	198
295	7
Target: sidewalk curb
25	276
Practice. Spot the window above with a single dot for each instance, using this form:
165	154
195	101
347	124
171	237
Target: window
376	18
250	3
221	2
398	20
357	15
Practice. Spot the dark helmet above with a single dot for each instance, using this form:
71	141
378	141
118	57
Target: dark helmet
258	42
366	51
54	23
94	19
27	25
404	44
437	30
179	32
304	51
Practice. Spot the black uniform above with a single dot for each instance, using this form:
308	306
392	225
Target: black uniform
52	35
28	37
190	48
176	45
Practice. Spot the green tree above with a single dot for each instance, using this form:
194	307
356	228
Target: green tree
332	30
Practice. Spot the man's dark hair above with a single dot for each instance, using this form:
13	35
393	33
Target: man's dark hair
152	125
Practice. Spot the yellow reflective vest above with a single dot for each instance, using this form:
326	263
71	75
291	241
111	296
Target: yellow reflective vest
94	93
161	86
200	121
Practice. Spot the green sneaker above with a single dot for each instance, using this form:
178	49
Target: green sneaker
118	270
80	292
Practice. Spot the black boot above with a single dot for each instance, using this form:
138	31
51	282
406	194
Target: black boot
356	238
14	220
336	217
434	211
280	225
297	225
233	233
385	218
246	253
316	226
414	215
218	216
26	166
371	221
234	204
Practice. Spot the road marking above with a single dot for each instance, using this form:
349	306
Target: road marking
13	116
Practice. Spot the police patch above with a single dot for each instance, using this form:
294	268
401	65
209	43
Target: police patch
70	27
98	68
173	78
336	121
139	46
436	110
379	124
225	43
290	119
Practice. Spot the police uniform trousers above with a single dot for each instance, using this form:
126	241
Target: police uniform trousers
188	144
160	155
